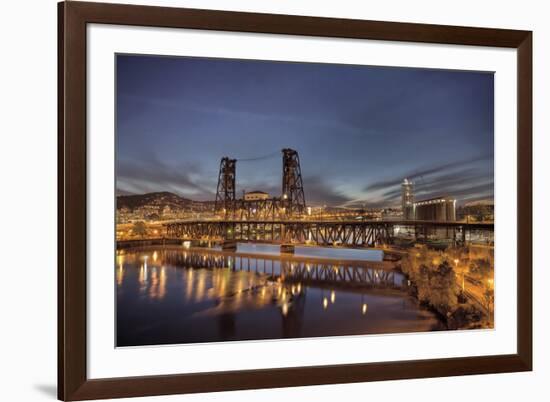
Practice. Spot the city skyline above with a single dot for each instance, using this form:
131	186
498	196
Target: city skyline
359	130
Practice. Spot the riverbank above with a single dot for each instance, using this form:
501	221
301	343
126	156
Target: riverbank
437	280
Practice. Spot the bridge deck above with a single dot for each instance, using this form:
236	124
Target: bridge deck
471	225
322	232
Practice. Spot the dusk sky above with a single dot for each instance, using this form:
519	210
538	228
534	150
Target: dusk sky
359	130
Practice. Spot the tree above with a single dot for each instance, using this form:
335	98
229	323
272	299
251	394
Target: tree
139	229
481	268
422	280
443	288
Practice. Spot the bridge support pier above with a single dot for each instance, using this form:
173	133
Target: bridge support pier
229	245
287	248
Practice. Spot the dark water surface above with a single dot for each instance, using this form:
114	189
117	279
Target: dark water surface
171	295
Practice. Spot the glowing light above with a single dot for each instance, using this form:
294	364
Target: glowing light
153	289
162	285
201	286
332	296
189	281
155	256
284	309
364	308
120	275
325	303
186	244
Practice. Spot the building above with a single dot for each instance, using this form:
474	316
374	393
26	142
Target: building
407	199
256	196
435	209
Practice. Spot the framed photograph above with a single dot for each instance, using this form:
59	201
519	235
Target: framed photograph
252	200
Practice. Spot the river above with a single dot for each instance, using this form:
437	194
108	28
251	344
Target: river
176	295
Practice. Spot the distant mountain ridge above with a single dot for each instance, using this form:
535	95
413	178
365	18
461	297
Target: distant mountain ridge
158	199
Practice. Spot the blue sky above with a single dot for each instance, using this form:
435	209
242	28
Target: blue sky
359	130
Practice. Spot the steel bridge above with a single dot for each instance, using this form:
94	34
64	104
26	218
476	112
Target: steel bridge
318	232
284	220
290	203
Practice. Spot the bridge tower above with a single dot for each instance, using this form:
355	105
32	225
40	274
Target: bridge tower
293	188
225	193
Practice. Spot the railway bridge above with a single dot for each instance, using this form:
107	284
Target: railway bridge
352	233
287	220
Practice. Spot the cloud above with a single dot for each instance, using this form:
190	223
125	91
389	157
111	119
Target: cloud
419	173
466	179
149	175
121	191
318	191
213	112
145	176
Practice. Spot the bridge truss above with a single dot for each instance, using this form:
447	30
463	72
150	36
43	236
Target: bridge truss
291	202
323	233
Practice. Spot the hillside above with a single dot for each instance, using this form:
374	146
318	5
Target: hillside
160	199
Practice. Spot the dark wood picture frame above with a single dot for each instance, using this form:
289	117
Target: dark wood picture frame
73	383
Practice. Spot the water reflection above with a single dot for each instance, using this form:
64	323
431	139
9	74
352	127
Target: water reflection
176	295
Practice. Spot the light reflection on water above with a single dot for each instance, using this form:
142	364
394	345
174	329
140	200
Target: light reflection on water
324	252
171	295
